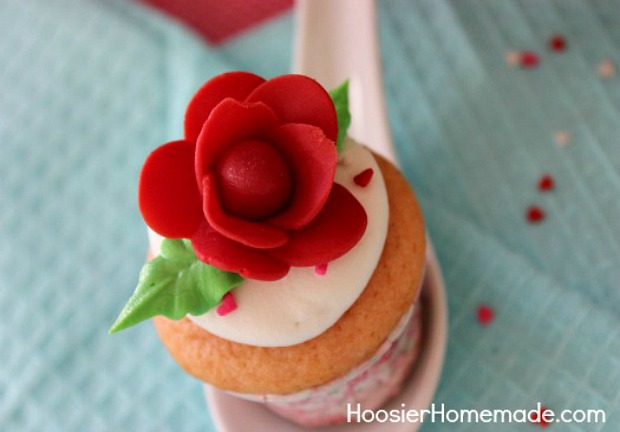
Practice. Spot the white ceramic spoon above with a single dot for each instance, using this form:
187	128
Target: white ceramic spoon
338	40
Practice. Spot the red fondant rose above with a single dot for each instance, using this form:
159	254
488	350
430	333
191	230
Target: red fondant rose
252	184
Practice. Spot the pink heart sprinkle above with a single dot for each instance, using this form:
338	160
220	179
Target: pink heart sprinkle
512	57
606	69
485	314
321	269
363	178
227	305
562	138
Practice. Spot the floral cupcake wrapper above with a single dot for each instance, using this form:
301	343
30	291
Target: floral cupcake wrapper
370	384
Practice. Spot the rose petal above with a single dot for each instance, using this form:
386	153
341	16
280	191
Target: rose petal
167	192
230	122
213	248
338	228
236	85
253	234
312	158
299	99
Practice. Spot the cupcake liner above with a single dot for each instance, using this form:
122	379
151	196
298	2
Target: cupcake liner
370	384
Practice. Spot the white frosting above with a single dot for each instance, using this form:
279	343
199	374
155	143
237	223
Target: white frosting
304	304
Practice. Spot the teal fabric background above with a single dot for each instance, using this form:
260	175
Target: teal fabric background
88	88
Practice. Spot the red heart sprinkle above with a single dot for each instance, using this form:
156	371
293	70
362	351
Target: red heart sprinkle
485	314
546	183
540	420
227	305
557	43
363	178
529	59
534	214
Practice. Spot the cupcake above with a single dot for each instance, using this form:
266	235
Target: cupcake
287	258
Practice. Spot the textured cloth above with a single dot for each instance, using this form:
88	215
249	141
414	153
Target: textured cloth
89	87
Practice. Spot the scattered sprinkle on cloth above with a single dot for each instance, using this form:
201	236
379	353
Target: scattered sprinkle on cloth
89	88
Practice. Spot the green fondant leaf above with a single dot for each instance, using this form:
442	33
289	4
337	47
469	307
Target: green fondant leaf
174	284
340	96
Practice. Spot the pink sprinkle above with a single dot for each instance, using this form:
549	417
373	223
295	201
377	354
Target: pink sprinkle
534	214
321	269
227	305
606	69
512	57
546	183
485	314
557	43
529	59
562	138
363	178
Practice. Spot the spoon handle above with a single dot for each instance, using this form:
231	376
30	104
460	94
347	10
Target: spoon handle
337	40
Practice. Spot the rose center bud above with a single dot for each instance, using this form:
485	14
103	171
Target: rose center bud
253	179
